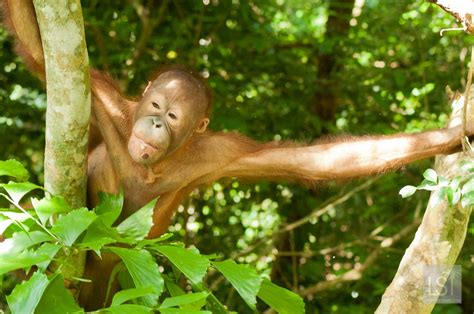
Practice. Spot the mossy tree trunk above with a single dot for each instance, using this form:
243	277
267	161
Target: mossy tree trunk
69	106
69	98
437	243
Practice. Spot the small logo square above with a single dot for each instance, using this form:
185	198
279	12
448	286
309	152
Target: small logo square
442	284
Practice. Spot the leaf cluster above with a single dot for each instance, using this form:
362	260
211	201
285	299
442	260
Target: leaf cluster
42	240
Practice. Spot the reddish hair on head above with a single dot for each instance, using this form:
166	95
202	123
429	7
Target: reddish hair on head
193	77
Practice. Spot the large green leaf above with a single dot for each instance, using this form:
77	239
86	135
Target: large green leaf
280	299
21	241
9	217
26	296
139	224
109	208
173	289
50	250
13	168
407	191
213	304
22	260
71	226
17	190
243	278
98	235
143	270
183	311
130	294
46	207
57	299
184	299
128	309
431	175
192	264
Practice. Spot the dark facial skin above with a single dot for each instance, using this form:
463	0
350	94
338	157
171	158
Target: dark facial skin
171	111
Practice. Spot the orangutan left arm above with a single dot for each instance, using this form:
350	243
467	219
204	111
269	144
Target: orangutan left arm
347	158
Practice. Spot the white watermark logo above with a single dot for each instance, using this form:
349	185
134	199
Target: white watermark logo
442	284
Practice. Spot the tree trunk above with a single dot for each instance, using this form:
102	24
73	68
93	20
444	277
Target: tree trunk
437	242
69	98
69	107
337	27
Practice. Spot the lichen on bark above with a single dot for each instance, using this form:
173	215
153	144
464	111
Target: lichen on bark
69	98
68	111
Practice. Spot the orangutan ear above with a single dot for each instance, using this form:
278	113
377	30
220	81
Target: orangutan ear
147	87
202	125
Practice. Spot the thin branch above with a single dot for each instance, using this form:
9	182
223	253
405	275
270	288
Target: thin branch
148	25
331	204
294	263
356	274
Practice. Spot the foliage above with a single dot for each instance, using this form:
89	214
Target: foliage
263	59
460	189
34	241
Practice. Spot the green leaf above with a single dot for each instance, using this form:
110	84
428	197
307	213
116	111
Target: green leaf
192	264
129	309
449	194
50	250
139	224
13	168
216	307
183	311
21	241
173	289
281	300
407	191
71	226
130	294
456	196
57	299
468	187
109	208
47	207
8	217
428	186
442	181
467	199
98	235
26	296
22	260
243	278
184	299
466	166
149	242
431	175
18	190
143	270
455	183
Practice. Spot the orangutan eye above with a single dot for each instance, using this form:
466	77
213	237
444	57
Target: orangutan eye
172	115
156	105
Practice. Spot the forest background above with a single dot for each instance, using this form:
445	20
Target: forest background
282	70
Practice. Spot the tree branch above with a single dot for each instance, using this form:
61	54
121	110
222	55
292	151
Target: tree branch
462	10
438	241
356	274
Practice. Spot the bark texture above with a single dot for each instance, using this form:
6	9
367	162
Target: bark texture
69	98
437	242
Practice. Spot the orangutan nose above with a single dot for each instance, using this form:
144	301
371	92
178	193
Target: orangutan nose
157	123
